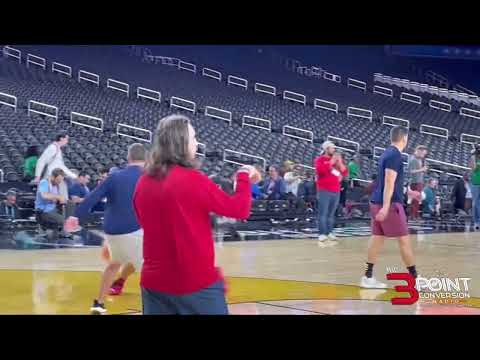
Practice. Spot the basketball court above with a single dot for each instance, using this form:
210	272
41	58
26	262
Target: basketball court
286	276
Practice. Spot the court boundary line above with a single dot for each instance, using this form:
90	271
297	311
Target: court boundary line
290	307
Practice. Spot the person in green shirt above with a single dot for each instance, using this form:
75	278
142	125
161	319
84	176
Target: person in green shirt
30	163
475	179
354	169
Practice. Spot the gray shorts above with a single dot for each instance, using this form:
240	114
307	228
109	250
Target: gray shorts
126	248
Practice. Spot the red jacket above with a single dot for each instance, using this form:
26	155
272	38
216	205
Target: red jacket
326	179
174	212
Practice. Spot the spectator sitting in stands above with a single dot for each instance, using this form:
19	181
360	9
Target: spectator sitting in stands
274	187
102	175
292	178
431	204
79	189
256	188
307	190
8	207
256	192
30	163
48	197
462	195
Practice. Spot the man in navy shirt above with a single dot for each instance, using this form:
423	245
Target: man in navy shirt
388	217
123	234
79	190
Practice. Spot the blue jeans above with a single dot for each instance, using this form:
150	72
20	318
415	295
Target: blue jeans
475	203
327	203
208	301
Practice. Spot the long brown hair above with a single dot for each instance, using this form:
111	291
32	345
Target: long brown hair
170	146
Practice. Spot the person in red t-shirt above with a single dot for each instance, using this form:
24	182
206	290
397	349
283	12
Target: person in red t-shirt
173	202
330	170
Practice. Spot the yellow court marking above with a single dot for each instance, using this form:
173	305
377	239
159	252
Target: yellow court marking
71	292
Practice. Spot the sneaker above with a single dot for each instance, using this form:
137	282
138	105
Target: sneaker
117	287
371	283
97	308
322	237
332	237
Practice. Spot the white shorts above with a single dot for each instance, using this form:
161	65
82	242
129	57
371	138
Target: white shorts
126	248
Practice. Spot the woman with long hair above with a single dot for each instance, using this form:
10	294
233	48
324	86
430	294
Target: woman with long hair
173	203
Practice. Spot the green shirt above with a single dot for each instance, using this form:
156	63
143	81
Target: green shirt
30	165
353	170
429	198
476	174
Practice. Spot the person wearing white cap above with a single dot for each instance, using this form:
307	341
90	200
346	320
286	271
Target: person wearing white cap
330	170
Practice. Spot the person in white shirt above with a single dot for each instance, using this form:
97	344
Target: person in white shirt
52	158
293	178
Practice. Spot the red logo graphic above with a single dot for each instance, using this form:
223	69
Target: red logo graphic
409	288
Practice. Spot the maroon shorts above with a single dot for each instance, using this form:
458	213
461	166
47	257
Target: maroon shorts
394	225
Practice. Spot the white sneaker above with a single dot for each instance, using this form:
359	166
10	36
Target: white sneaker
322	241
322	238
371	283
332	237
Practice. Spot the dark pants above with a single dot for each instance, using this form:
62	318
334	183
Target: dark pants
52	217
327	203
208	301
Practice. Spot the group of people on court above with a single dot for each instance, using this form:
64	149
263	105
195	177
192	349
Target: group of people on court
157	215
